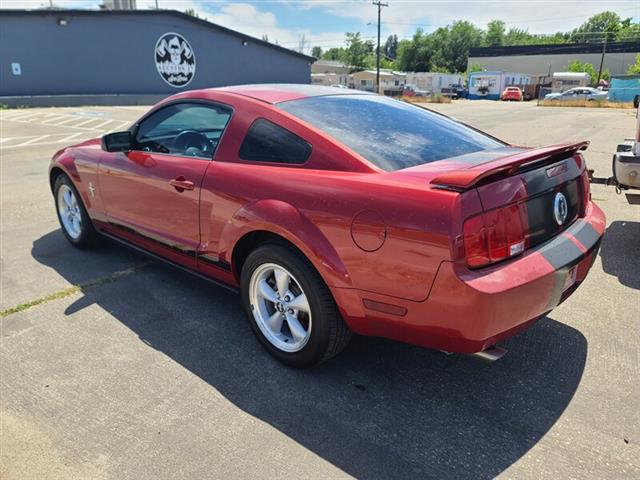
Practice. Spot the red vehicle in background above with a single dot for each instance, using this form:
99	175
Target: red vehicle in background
336	211
512	94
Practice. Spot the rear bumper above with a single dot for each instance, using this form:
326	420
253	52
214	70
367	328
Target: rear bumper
467	311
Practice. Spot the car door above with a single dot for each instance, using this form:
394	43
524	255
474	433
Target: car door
151	193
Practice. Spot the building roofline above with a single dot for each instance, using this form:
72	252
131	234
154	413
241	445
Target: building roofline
151	12
498	72
554	49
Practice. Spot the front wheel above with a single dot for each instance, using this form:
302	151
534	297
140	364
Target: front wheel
290	308
74	219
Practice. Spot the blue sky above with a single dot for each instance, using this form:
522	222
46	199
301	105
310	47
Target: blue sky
323	22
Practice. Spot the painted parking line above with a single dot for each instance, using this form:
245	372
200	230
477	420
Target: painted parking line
20	116
52	120
119	126
84	122
49	139
70	119
33	140
74	122
12	139
100	125
70	137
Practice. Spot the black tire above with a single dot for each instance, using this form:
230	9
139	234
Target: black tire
329	334
88	237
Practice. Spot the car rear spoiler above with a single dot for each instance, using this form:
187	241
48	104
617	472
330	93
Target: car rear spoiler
464	179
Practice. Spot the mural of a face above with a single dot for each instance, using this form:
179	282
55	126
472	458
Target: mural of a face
175	59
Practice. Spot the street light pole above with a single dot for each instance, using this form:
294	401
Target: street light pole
380	5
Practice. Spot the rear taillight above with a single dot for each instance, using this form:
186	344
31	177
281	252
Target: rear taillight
586	191
495	235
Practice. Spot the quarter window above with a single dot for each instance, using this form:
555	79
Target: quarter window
185	129
268	142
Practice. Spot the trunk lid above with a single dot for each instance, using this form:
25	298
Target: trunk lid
528	196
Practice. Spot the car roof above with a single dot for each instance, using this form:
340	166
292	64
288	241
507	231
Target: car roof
283	92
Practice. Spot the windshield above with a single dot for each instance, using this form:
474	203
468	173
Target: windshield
389	133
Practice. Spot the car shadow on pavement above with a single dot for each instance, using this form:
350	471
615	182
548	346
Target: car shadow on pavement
381	409
620	253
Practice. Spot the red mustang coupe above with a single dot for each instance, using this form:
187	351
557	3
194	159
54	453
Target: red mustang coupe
337	211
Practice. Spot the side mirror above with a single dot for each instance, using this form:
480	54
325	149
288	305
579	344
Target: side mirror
117	142
636	101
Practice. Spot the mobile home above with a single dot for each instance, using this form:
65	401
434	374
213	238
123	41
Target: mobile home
433	82
489	85
562	81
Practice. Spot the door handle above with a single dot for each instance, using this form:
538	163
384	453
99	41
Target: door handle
181	184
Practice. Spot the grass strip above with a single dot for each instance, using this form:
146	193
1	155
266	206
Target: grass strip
71	290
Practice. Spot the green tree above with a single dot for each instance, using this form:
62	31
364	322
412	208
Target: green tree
414	55
517	36
475	67
635	68
316	52
495	35
356	51
578	66
335	53
391	47
437	44
192	12
629	31
462	36
598	27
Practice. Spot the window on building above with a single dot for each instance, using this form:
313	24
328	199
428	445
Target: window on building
268	142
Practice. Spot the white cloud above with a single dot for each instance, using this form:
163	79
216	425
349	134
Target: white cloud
248	19
180	5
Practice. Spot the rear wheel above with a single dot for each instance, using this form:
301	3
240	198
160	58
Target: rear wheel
291	310
74	219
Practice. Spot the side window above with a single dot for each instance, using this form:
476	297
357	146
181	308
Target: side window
187	129
267	142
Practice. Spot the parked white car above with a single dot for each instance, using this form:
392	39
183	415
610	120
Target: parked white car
579	93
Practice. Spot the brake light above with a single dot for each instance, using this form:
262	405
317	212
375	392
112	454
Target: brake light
495	235
586	191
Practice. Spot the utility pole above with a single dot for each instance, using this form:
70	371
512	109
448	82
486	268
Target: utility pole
604	50
380	5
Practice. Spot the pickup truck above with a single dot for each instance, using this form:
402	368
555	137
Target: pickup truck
454	91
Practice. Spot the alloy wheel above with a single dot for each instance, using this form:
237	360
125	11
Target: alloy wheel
280	307
69	211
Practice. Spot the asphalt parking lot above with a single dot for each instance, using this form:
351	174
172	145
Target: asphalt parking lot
130	369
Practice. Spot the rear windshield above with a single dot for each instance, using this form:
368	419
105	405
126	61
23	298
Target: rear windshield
389	133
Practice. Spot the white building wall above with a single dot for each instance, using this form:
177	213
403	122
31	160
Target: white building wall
616	63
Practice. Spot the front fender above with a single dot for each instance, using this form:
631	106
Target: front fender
65	162
285	220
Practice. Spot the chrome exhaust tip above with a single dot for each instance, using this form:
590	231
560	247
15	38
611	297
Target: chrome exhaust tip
491	354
